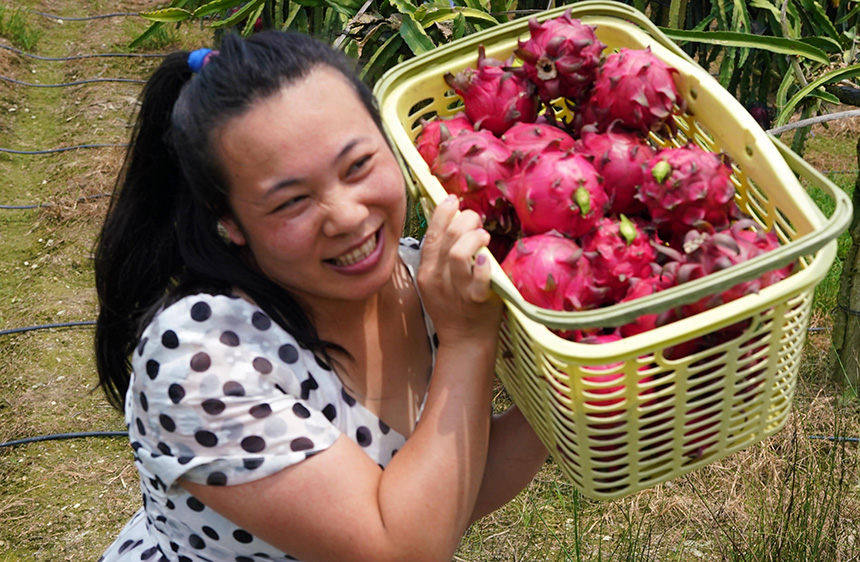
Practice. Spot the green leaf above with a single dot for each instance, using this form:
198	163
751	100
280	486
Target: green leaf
740	17
288	21
459	26
380	58
677	13
823	24
855	11
828	78
346	7
734	39
238	16
404	6
782	91
765	5
310	3
214	7
252	20
481	5
824	96
167	15
826	44
434	15
414	36
150	31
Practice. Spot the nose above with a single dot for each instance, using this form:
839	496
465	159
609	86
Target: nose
346	211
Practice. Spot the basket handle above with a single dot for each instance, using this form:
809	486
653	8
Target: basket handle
623	313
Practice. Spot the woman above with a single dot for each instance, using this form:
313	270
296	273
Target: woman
296	385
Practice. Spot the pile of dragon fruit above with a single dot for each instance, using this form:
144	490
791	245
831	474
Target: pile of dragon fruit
584	211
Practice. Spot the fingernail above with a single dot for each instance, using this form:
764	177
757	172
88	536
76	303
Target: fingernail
451	198
481	259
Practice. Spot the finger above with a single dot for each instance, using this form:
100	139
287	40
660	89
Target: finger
479	289
439	222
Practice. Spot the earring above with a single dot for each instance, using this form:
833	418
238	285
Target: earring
223	234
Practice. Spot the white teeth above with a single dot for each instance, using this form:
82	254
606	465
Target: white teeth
358	254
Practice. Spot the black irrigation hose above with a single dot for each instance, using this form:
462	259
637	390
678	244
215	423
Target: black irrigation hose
87	18
62	149
77	83
47	326
41	205
57	436
78	57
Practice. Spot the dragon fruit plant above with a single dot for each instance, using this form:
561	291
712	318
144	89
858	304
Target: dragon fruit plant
469	165
494	97
561	57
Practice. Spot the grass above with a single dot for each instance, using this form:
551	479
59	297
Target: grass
788	498
15	26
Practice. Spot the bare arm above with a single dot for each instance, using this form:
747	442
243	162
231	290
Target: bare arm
338	504
515	455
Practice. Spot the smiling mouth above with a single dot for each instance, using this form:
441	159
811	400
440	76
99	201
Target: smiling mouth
358	254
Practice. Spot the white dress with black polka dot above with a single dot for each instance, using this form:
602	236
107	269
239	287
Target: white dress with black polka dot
222	395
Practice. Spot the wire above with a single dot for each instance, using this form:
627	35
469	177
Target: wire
87	18
62	149
57	436
46	326
40	205
79	82
835	438
76	57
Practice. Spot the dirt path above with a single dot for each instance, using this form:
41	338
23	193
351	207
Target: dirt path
61	500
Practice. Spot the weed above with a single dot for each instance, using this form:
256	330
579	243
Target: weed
15	27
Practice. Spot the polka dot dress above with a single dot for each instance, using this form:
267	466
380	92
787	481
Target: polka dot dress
221	395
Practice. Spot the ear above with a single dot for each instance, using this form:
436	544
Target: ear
234	232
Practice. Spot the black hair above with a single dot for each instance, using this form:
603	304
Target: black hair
160	238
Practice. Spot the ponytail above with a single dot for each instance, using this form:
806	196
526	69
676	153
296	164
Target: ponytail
136	254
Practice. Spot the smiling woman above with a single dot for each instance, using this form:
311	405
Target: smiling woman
309	386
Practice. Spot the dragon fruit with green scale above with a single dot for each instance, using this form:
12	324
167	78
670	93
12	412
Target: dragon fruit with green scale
620	252
494	98
661	278
550	271
561	56
634	87
529	139
688	188
620	157
557	191
470	165
434	133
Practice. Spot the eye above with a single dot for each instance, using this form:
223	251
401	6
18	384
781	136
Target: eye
359	165
291	202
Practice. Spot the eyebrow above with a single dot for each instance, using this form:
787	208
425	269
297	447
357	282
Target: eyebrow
283	184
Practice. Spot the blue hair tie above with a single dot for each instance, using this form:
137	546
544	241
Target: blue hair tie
198	59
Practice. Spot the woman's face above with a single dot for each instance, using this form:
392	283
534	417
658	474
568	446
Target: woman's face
317	195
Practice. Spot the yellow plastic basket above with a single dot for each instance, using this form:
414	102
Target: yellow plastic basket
620	417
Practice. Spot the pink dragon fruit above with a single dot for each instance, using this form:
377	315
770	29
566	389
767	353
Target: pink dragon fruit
688	188
433	133
561	57
495	98
659	280
634	87
706	253
557	191
469	165
620	157
529	139
549	271
619	253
